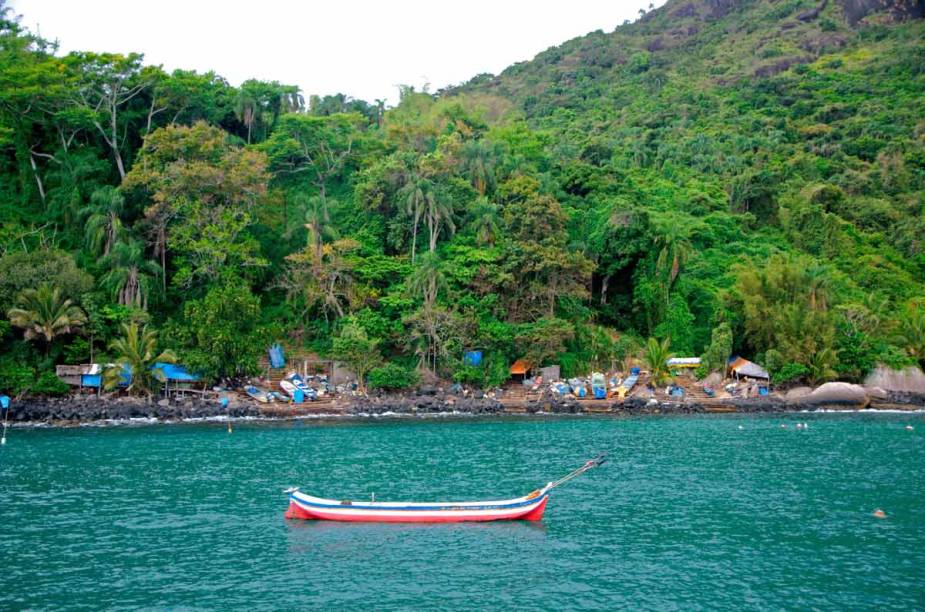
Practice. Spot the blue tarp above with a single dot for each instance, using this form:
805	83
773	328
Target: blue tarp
473	358
175	373
277	360
91	380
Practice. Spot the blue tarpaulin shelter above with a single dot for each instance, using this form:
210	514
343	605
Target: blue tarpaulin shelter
176	373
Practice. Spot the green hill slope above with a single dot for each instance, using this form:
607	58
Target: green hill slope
733	176
743	129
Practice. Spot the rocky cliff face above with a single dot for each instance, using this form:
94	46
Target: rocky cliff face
854	10
897	10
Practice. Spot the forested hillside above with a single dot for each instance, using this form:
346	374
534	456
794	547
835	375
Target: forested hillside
738	176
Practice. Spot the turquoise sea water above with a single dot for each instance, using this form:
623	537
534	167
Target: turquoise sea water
690	512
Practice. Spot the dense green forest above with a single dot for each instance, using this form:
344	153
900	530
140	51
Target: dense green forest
736	176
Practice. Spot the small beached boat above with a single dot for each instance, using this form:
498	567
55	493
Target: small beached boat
288	388
258	394
527	508
297	382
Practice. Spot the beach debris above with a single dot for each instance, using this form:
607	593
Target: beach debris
880	514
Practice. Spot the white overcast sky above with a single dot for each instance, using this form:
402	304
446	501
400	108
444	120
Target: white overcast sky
360	48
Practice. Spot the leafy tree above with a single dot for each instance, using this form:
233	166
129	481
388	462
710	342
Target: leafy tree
202	193
259	104
432	335
136	351
220	335
784	308
45	315
718	351
358	351
321	283
107	83
54	267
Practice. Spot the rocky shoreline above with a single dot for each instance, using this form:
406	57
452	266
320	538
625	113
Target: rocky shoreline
79	410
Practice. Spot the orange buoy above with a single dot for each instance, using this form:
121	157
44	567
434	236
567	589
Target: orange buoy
880	514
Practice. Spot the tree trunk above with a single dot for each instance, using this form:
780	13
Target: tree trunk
414	241
114	143
38	178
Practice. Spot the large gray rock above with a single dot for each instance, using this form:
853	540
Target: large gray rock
838	393
910	380
797	393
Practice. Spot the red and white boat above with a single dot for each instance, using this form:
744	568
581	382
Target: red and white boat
527	508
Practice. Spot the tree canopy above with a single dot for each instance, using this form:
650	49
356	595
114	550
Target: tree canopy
760	194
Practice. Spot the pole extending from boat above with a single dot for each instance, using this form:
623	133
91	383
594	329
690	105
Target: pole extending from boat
596	462
530	507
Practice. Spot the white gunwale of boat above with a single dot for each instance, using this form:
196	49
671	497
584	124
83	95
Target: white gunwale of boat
300	496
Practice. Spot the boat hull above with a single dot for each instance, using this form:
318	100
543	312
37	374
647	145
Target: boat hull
524	509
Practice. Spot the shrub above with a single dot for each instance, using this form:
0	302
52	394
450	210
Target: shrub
790	372
15	377
392	377
49	384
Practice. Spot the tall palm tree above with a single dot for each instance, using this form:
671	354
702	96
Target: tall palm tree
380	111
820	366
247	109
136	351
439	215
103	225
427	279
818	286
485	221
44	314
673	254
656	356
414	196
478	162
131	276
317	220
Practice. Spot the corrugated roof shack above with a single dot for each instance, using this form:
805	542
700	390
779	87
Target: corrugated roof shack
550	373
82	376
520	369
743	368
